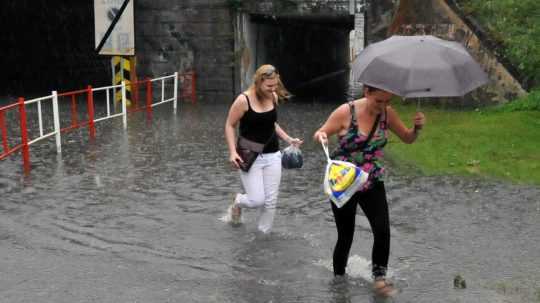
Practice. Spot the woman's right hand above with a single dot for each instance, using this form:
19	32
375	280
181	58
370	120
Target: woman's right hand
234	159
321	137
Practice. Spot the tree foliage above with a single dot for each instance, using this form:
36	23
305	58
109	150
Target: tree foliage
515	24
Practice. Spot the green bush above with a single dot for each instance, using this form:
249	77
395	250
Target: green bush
515	24
529	103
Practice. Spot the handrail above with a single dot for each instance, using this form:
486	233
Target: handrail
164	77
54	99
21	104
75	92
9	106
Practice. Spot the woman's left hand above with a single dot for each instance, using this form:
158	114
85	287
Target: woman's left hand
419	120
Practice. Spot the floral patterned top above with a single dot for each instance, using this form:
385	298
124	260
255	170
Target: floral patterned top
370	157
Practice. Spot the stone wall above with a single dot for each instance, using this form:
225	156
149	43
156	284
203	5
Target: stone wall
184	35
296	7
199	35
378	12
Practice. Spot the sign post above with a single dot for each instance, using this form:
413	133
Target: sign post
114	27
115	36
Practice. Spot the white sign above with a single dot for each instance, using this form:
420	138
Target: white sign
121	41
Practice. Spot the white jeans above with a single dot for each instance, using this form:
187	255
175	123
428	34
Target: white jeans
261	184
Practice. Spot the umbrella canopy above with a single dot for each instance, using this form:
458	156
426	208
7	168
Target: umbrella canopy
418	66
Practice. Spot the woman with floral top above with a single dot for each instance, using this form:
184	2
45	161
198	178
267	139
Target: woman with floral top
352	122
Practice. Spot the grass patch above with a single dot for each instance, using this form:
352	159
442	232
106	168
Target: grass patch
531	102
487	143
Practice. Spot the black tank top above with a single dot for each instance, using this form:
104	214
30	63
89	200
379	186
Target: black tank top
260	127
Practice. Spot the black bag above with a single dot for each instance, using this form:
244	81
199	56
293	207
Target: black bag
248	150
291	157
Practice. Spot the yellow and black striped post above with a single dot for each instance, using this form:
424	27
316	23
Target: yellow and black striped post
123	69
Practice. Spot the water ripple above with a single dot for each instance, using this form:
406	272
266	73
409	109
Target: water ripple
151	197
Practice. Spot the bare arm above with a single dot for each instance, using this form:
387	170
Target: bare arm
284	136
336	122
237	110
407	135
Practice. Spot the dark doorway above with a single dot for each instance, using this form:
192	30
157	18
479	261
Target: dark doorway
49	45
310	52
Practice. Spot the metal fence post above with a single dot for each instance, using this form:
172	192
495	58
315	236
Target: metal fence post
149	94
56	118
24	136
149	98
3	129
162	89
124	110
193	87
90	104
175	91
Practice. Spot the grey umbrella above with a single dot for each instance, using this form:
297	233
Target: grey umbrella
418	66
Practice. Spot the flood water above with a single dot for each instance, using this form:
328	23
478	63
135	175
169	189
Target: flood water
135	216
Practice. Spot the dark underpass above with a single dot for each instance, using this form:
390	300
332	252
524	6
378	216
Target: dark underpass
52	48
48	46
310	52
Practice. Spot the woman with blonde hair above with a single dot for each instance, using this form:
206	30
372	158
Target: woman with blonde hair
255	112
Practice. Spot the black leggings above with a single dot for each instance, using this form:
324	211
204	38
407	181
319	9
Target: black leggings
373	203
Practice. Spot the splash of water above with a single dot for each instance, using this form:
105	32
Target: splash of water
227	217
357	267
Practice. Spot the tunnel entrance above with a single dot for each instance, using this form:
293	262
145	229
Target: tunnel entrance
310	52
49	47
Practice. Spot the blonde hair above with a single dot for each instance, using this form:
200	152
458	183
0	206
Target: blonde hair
265	72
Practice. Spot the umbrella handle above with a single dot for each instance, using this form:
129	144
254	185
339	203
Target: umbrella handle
417	103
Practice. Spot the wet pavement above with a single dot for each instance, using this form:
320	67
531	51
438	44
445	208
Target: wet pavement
135	216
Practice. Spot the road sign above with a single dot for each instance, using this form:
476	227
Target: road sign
121	40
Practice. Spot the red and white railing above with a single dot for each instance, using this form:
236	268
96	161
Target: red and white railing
28	138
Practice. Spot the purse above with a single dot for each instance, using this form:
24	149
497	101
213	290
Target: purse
249	150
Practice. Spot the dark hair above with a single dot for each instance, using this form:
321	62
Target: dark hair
371	89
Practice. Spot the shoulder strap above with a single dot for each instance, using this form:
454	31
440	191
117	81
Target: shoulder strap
375	125
385	118
247	98
272	136
353	113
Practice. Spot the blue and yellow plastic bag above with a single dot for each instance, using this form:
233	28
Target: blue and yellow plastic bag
342	179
